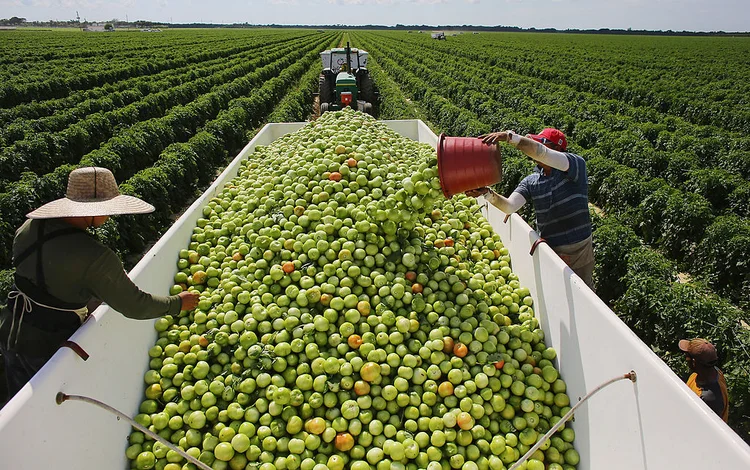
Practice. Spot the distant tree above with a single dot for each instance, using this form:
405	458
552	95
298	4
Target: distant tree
109	27
16	21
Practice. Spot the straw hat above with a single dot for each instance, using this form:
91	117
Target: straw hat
92	191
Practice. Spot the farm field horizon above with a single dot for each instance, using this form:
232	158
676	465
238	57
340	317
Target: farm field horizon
662	122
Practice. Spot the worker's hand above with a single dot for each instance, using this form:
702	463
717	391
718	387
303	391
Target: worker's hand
477	192
494	137
189	300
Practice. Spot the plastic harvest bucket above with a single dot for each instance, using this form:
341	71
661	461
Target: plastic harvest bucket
466	163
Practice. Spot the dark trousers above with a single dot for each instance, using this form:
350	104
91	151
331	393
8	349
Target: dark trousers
19	369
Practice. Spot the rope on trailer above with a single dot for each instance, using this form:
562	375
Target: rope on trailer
62	397
629	376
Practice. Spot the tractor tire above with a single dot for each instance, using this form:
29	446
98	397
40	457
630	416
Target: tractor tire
323	108
366	87
368	109
325	88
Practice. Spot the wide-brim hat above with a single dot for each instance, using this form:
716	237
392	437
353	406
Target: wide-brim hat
92	192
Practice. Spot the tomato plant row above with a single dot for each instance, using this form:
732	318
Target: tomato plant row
42	152
464	105
692	219
701	80
23	121
34	50
168	159
689	157
139	146
145	84
20	89
184	168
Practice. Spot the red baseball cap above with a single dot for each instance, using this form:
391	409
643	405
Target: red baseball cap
552	136
700	350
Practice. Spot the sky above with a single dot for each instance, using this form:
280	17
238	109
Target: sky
677	15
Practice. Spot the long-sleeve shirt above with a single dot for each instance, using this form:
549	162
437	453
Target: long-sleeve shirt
78	268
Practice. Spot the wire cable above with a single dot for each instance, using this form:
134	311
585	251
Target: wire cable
62	397
629	376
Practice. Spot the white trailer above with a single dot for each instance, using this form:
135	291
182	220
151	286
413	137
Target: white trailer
654	423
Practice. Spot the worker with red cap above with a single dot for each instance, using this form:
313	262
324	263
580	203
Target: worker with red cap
558	189
706	380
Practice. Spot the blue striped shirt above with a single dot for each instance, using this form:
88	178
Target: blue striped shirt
560	202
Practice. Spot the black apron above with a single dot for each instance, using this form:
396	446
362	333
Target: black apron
35	323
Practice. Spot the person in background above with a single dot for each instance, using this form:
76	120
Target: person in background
61	269
558	188
706	380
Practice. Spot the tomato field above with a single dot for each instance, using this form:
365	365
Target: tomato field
665	139
663	123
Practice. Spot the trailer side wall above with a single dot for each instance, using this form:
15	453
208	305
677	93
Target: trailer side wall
654	423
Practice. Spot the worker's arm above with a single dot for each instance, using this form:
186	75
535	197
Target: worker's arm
107	280
537	151
508	205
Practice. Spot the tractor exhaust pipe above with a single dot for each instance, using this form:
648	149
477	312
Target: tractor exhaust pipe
348	58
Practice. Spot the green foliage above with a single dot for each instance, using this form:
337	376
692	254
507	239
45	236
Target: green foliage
392	104
225	104
6	282
715	185
723	258
598	168
297	104
650	153
661	311
683	222
182	169
612	243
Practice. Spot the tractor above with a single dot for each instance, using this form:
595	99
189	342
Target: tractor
345	80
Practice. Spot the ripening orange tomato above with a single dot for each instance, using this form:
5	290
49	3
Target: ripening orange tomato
354	341
445	389
343	442
361	388
447	344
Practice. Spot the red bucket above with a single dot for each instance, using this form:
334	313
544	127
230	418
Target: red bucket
466	163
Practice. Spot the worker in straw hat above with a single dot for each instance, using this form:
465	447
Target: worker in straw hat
706	380
60	268
558	189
